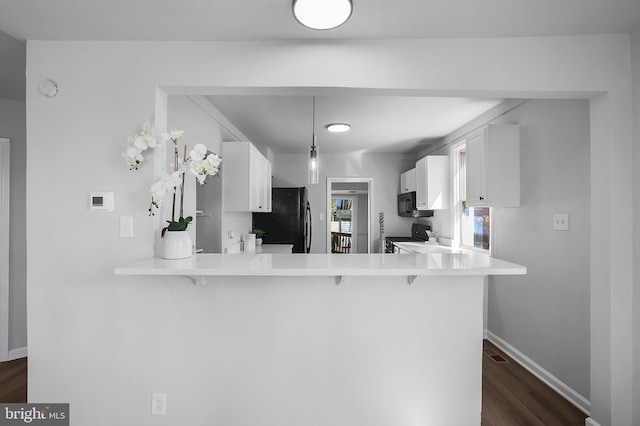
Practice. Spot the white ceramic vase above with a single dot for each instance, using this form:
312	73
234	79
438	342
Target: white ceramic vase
177	245
258	242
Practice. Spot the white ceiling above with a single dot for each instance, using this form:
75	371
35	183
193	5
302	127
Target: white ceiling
272	19
381	124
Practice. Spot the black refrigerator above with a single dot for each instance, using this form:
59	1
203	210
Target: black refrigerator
289	221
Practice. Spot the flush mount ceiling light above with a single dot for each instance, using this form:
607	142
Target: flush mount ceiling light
338	127
322	14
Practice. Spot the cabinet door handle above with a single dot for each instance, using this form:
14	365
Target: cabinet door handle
481	198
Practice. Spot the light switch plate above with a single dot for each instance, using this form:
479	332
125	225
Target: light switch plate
561	222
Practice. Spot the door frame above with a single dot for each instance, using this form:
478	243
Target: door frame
4	246
330	181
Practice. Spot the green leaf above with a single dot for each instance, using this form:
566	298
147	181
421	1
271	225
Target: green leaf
180	225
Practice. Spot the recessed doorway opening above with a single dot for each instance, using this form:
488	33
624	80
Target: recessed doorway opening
349	205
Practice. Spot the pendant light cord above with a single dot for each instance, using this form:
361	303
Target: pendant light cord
313	121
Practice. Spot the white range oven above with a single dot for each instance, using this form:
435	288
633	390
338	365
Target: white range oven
418	233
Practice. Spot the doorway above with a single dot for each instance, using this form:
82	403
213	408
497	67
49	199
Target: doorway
344	224
349	205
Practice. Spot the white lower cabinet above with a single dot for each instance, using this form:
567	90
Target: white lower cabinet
493	166
432	182
246	178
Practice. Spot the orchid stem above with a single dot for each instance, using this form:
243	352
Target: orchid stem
182	186
175	169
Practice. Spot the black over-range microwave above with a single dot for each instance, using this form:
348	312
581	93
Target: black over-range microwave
407	206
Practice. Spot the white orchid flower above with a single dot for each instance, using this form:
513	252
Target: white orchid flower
133	152
212	164
196	167
172	134
151	141
130	161
198	152
149	137
175	134
140	142
158	191
175	179
200	163
183	166
214	159
133	157
166	185
210	169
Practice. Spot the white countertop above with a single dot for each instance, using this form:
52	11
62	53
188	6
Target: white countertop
424	248
298	264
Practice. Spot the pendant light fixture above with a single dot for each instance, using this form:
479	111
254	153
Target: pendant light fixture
322	14
313	149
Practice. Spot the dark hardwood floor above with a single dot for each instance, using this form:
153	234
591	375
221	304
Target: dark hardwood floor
13	381
511	396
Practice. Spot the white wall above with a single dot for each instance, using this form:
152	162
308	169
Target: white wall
635	52
554	295
291	170
102	321
13	126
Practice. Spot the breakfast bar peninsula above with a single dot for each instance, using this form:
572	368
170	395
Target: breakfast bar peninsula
340	340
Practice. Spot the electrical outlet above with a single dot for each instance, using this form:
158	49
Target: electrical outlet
126	227
159	404
560	222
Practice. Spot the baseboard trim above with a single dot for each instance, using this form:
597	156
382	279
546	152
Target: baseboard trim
590	422
549	379
17	353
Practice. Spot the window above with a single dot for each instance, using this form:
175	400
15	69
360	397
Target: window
472	225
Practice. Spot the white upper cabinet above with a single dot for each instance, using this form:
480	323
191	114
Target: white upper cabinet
408	181
493	166
246	178
432	182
